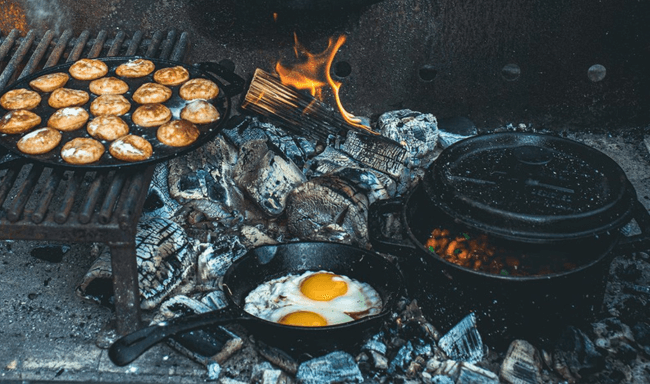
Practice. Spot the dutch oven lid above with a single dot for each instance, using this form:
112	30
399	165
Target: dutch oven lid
530	187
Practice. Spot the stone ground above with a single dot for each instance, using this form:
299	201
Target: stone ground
47	332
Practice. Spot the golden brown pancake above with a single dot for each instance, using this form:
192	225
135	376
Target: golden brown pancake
19	121
108	86
50	82
135	68
20	99
178	133
199	89
88	69
107	127
39	141
110	105
82	150
151	115
171	76
65	97
131	148
151	93
68	119
200	112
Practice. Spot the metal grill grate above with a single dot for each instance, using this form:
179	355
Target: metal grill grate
43	203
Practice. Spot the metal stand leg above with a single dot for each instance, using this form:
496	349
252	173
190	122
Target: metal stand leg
125	287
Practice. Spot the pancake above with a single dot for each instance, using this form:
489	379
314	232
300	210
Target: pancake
88	69
39	141
199	89
19	121
20	99
110	105
151	115
107	127
200	112
66	97
135	68
171	76
50	82
108	86
82	150
150	93
68	119
131	148
178	133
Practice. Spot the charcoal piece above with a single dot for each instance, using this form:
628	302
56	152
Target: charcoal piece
575	355
463	342
417	132
611	334
402	359
252	237
380	361
215	300
377	152
450	368
97	284
446	139
159	202
217	257
264	373
50	253
336	367
471	374
164	258
276	356
522	364
376	344
642	336
328	203
203	182
179	305
440	379
376	185
266	176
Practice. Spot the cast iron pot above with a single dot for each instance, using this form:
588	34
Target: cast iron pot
268	262
503	185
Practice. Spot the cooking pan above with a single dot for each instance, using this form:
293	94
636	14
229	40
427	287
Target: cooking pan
161	152
268	262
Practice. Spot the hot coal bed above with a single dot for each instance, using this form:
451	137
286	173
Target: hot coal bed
207	208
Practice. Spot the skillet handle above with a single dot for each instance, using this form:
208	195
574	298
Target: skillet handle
129	347
377	221
235	83
640	242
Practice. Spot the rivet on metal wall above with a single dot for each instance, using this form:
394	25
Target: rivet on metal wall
342	69
596	73
511	72
427	73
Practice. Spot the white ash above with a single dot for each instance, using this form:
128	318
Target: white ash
463	342
417	132
336	367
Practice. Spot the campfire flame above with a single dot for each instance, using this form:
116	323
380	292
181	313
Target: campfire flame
313	75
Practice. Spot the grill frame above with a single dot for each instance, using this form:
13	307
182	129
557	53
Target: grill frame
43	203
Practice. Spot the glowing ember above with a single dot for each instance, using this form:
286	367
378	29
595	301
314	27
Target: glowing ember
13	17
313	74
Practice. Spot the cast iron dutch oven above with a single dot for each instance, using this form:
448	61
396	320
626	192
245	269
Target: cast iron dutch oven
537	194
268	262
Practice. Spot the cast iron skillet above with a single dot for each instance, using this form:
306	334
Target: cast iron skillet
161	152
268	262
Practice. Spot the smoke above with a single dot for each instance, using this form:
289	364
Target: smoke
47	14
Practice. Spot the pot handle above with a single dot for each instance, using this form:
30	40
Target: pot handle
129	347
235	83
377	220
640	242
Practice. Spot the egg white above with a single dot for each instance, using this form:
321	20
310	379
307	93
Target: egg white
276	298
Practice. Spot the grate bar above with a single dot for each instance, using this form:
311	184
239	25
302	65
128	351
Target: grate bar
125	209
181	47
117	44
50	188
62	214
24	192
38	54
98	45
7	182
135	43
79	46
88	204
17	58
154	44
106	210
168	44
8	43
57	52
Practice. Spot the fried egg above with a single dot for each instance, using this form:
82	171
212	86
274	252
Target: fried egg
313	299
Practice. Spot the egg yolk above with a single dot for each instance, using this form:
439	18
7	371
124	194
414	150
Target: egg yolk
321	287
304	319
